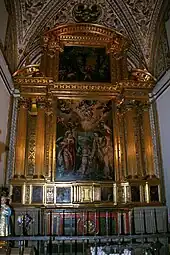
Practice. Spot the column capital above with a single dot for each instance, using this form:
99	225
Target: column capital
24	103
41	102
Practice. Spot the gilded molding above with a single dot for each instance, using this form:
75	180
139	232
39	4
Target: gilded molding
38	81
85	34
31	143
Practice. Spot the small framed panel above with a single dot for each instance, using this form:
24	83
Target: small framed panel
107	194
135	193
85	194
37	194
63	195
121	196
128	193
96	194
17	194
154	193
50	195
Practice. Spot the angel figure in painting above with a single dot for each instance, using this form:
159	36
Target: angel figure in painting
88	113
5	216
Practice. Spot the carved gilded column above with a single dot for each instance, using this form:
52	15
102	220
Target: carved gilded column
40	140
21	139
48	140
31	140
122	145
120	140
155	139
118	174
12	141
138	139
130	116
148	145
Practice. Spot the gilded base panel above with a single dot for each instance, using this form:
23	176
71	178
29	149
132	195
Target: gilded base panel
88	194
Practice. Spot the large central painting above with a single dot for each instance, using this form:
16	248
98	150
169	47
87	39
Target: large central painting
78	64
84	143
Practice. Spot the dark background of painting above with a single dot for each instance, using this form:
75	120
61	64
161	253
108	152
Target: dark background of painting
37	194
78	64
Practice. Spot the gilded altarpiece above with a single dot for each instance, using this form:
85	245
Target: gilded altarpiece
83	130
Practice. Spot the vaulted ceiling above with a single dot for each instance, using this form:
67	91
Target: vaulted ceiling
142	21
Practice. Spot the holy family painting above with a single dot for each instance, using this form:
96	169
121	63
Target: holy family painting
84	144
88	64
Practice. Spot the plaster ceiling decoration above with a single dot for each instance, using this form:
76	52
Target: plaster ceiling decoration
137	19
162	54
30	10
107	16
141	11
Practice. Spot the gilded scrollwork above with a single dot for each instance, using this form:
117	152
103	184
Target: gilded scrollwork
31	145
27	194
23	103
50	195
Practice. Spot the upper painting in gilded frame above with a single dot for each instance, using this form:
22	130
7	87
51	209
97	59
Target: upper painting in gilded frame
84	141
84	64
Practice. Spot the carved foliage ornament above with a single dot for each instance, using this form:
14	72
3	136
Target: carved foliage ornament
142	12
88	11
30	9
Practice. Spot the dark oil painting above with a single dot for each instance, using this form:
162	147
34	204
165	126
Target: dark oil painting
17	194
84	144
154	194
84	64
135	193
63	195
107	194
37	194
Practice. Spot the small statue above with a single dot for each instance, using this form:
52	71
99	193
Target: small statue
5	217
